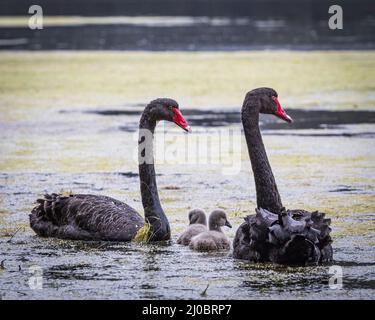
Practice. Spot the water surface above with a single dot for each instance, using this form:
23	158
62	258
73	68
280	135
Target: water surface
325	161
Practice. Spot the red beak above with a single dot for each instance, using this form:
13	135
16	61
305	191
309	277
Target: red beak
180	120
280	112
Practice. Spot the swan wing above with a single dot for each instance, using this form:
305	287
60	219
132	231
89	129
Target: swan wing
265	217
84	217
292	225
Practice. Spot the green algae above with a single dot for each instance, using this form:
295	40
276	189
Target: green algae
54	79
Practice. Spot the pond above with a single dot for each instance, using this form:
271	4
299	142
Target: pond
324	161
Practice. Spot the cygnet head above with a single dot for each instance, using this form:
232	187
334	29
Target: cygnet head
197	216
218	219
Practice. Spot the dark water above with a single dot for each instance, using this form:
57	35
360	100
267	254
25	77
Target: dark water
195	25
303	119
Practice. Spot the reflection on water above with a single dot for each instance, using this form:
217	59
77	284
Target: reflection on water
90	155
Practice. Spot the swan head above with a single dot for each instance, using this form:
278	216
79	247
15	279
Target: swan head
197	216
218	218
267	102
167	109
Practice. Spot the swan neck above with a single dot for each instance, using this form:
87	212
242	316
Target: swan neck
268	196
153	210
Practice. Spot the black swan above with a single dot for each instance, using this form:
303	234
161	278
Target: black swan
295	237
197	224
214	239
95	217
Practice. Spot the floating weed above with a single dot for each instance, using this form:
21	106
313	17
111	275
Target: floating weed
339	206
348	228
204	292
66	193
169	199
10	231
144	234
14	233
239	212
171	187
